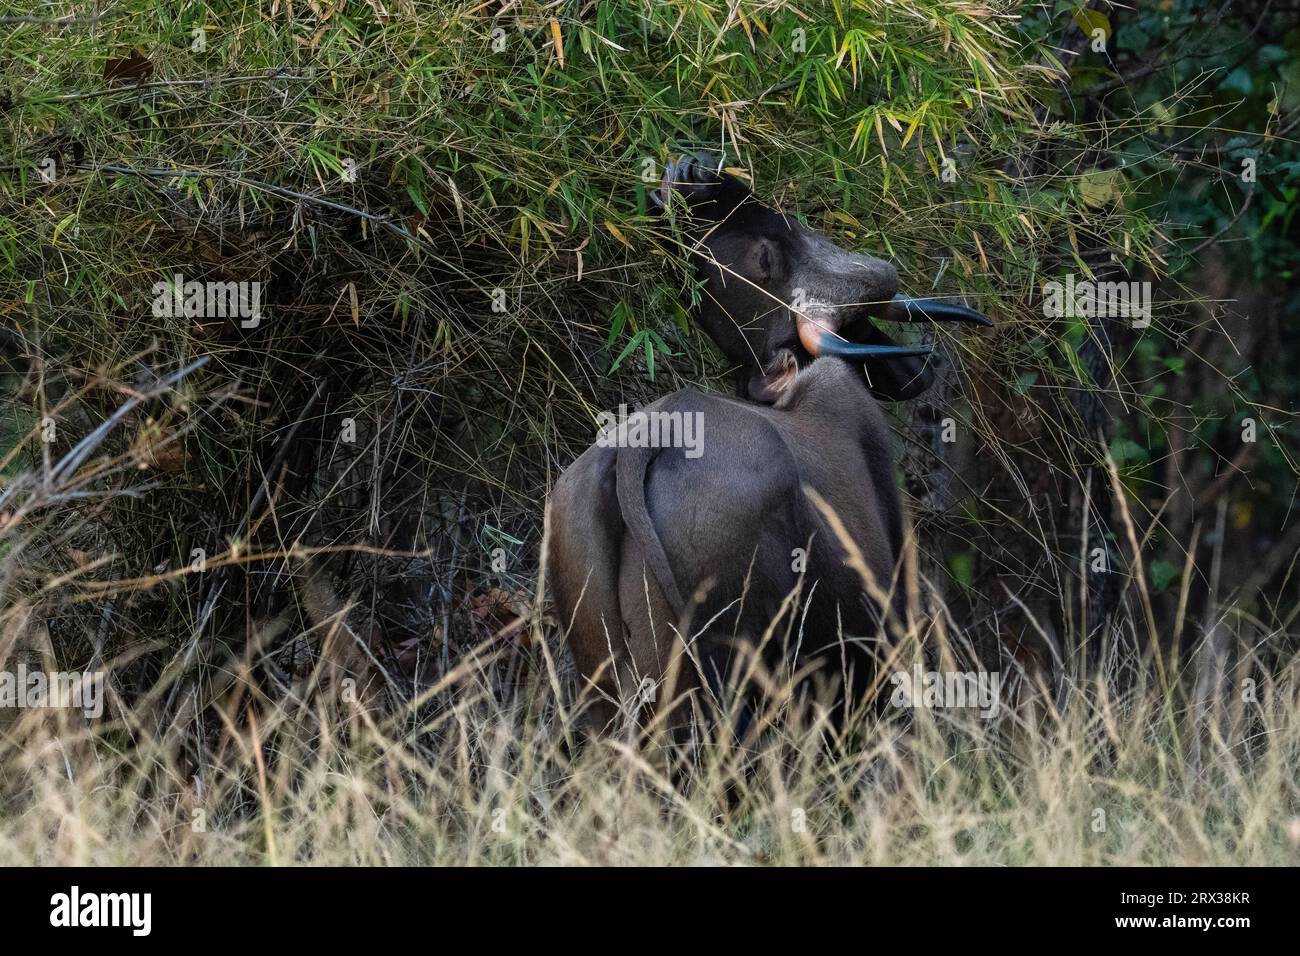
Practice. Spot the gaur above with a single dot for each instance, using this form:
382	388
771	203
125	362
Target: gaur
653	551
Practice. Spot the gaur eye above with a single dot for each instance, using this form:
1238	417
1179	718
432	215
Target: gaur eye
766	259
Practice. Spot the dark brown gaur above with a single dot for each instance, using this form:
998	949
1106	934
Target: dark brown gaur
662	563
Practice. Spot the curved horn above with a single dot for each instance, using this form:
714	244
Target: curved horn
830	345
935	311
818	340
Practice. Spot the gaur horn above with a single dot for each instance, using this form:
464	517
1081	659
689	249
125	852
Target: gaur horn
935	311
834	345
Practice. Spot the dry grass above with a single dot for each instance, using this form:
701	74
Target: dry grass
1112	780
489	765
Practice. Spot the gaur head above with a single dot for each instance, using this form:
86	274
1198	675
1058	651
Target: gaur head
777	294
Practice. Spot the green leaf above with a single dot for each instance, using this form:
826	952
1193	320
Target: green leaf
1100	187
1126	451
618	317
627	350
418	200
962	568
1162	575
1091	20
683	318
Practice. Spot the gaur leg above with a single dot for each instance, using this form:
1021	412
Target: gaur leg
658	671
582	567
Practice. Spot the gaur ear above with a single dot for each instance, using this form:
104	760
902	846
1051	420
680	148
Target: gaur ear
697	179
